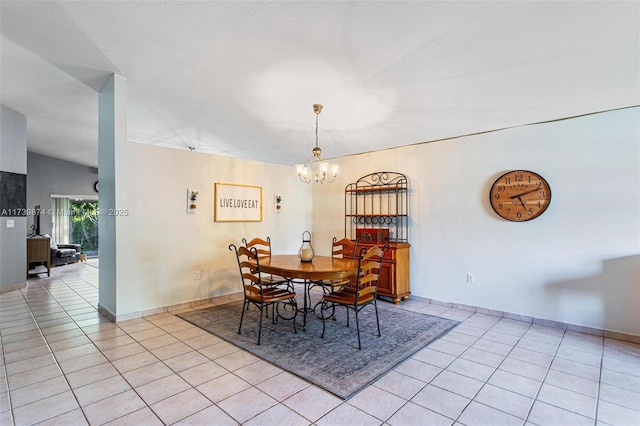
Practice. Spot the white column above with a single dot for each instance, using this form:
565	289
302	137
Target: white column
112	136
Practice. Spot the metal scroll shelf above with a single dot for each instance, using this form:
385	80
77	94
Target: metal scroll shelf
378	201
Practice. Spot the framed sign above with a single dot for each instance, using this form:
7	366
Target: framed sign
238	203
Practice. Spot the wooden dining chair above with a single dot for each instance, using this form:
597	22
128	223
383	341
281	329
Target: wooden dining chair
364	292
257	293
342	249
263	248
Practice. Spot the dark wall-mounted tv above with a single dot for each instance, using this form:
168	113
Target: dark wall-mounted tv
35	228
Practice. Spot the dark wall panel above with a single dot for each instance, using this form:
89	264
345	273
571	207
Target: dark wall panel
13	194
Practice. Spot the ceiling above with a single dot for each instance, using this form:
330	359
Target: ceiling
239	78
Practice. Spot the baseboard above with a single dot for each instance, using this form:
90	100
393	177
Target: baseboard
539	321
169	308
13	287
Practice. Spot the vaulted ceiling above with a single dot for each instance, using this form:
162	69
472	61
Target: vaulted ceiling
239	78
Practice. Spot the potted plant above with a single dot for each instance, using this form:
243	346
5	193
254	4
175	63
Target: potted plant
193	195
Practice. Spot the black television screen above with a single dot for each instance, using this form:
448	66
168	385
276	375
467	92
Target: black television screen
35	228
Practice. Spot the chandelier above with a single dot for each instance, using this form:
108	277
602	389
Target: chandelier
317	168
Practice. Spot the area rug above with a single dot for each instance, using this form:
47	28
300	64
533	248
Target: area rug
334	362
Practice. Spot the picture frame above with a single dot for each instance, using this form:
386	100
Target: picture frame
237	203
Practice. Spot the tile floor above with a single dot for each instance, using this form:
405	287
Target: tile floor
62	363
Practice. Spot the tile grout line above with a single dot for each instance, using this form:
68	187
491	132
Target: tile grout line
599	381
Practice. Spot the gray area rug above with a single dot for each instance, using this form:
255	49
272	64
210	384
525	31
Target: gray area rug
333	363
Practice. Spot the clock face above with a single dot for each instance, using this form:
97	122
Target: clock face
520	195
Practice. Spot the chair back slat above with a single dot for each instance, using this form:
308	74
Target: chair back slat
369	265
248	265
263	247
344	248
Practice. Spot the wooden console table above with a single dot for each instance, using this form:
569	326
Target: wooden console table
39	250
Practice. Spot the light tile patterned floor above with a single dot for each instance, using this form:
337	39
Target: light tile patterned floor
63	363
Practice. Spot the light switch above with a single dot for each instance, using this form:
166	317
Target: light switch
10	223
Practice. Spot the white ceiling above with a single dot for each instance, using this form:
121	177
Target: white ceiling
239	78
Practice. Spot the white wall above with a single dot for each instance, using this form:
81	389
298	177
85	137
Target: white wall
160	246
578	263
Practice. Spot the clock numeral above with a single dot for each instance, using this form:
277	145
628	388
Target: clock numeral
496	196
500	206
538	186
519	214
508	212
507	181
518	177
543	194
501	188
530	212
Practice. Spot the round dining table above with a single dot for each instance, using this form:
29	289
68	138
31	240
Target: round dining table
319	269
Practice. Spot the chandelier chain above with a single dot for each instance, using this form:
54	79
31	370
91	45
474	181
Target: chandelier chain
317	114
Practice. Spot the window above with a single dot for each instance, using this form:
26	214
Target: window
74	220
83	225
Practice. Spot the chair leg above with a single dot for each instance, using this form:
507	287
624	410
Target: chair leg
357	327
295	314
375	305
242	316
260	326
323	307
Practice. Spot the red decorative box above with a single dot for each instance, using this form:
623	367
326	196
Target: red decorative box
376	236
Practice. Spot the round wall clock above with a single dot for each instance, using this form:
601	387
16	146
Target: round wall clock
520	195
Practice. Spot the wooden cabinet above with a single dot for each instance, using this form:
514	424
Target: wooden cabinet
377	212
394	275
39	251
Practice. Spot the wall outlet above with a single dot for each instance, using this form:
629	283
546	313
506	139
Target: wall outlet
471	279
10	223
196	275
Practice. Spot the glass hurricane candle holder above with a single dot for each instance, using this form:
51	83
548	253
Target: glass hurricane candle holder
305	253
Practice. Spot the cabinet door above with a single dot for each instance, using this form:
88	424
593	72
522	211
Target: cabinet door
386	279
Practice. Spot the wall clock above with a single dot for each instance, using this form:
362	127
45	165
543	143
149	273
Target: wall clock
520	195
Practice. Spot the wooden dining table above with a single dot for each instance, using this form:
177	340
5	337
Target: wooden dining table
319	269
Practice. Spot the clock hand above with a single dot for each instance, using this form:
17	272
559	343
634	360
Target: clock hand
525	193
523	206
